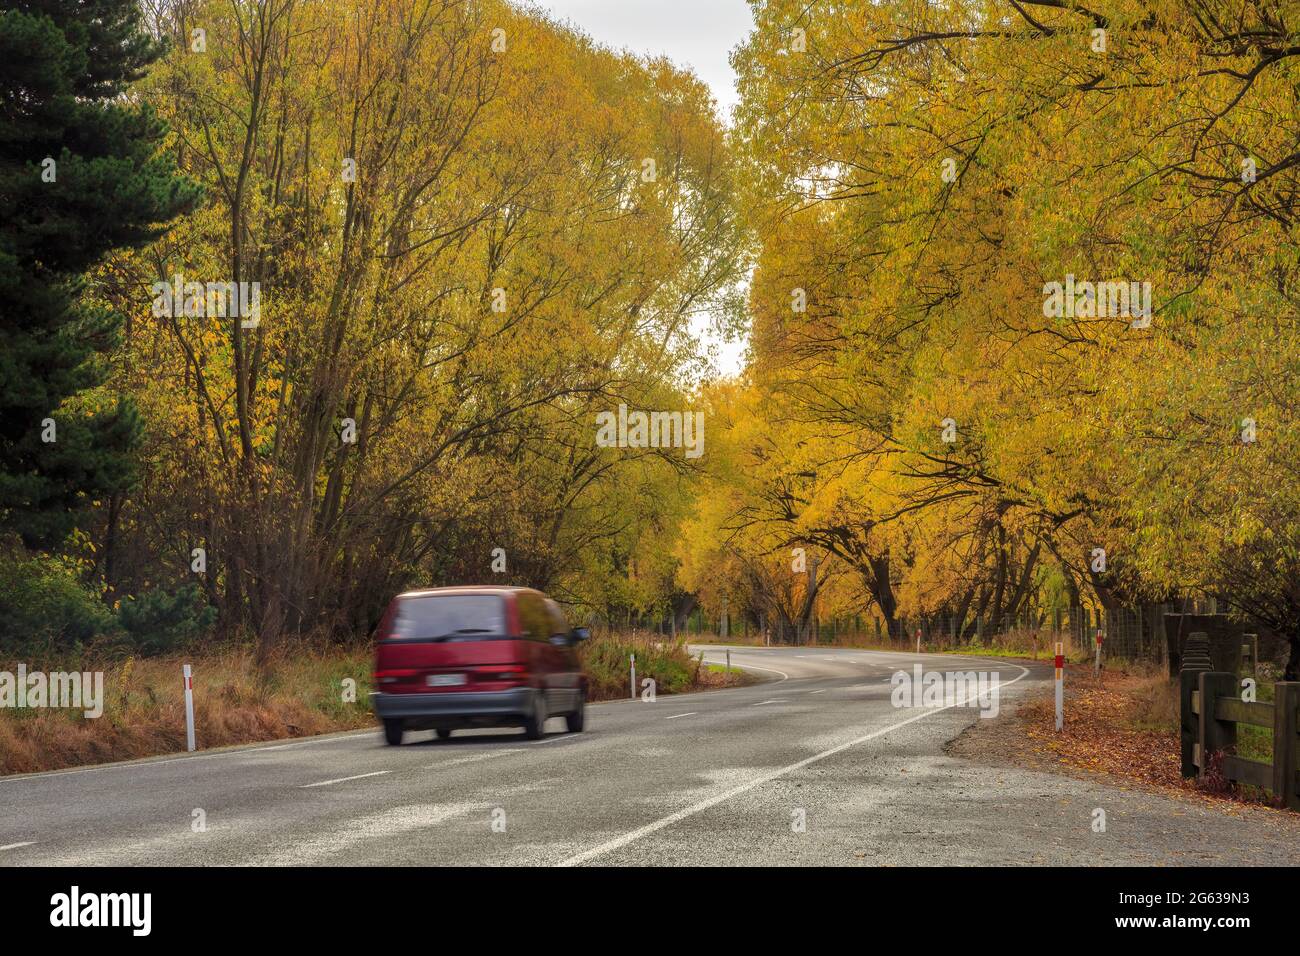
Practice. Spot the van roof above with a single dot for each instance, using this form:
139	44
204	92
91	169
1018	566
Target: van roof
465	589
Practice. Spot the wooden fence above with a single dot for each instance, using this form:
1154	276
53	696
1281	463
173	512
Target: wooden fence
1212	708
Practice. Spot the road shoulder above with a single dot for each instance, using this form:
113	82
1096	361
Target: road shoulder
1097	747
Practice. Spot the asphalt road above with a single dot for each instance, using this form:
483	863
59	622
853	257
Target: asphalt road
814	766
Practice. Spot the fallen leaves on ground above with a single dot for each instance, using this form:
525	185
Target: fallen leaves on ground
1124	725
1099	731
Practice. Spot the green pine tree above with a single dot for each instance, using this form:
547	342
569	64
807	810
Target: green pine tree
81	174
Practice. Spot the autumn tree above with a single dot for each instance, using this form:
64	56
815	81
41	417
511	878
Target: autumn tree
924	175
472	229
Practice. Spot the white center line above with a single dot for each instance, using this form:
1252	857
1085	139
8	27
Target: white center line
474	758
822	691
15	846
774	700
360	776
625	839
691	713
552	740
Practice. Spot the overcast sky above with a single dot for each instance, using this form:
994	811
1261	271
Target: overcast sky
694	33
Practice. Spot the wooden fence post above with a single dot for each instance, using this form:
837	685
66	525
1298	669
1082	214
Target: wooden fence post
1186	684
1286	700
1249	654
1215	735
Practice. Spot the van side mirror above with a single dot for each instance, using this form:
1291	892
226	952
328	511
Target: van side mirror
580	634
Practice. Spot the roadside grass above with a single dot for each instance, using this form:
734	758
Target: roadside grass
1023	643
716	675
1154	697
607	662
300	692
1256	743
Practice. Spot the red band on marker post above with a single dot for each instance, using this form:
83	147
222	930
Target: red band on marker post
1060	661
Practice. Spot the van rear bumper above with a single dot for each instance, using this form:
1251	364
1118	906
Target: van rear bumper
515	702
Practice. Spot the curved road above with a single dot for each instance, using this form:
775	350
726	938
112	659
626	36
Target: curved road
813	766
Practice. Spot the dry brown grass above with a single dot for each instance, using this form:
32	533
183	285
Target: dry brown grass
298	693
1154	697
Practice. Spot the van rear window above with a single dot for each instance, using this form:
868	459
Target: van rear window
450	617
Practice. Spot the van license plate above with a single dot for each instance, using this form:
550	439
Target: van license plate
446	680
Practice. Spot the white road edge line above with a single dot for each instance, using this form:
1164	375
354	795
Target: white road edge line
360	776
15	846
691	713
755	667
774	700
238	750
625	839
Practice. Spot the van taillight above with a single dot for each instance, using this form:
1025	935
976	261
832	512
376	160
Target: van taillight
502	672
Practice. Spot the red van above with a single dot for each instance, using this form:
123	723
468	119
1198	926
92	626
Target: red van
476	657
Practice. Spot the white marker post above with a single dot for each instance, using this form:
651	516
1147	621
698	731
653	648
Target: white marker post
728	660
633	694
189	708
918	640
1060	685
1097	666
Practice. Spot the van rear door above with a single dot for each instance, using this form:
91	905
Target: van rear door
444	642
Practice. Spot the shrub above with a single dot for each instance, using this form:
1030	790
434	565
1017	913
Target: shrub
43	604
159	621
606	662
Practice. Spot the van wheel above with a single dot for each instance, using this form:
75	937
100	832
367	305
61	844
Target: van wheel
444	733
393	732
535	723
578	717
